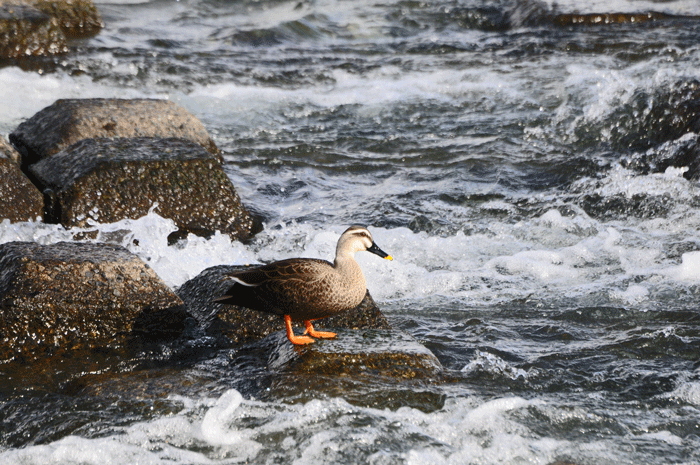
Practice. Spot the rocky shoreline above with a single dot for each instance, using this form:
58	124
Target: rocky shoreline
103	160
85	161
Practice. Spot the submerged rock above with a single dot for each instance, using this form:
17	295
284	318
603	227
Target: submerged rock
242	325
594	19
372	353
107	180
374	368
79	295
20	200
26	31
68	121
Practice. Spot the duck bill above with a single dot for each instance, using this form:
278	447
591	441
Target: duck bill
377	251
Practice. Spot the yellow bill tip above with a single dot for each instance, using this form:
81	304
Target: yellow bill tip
389	257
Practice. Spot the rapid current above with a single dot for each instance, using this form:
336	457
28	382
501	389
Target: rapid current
510	164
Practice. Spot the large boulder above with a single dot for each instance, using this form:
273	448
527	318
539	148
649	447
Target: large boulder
107	180
68	121
20	200
79	295
240	325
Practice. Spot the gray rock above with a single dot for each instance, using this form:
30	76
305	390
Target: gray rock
108	180
68	121
20	200
71	295
240	325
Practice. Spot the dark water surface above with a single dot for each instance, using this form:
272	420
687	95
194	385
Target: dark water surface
527	177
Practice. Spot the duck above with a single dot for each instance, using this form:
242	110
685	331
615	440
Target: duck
306	289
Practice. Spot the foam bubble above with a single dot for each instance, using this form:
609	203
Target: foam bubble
689	269
633	295
231	429
216	426
621	181
115	450
147	237
485	361
688	391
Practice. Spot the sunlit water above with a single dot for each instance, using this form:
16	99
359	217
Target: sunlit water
555	282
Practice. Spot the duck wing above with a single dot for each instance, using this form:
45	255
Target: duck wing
286	287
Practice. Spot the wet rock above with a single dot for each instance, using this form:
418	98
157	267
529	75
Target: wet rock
68	121
374	368
107	180
8	151
240	325
372	353
26	31
20	200
594	19
610	208
77	18
681	153
79	295
652	119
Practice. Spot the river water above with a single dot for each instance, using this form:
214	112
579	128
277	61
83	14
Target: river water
502	161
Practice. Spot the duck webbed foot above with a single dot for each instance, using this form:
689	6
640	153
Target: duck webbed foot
319	334
297	340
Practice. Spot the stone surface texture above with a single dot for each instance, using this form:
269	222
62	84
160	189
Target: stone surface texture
107	180
26	31
79	295
68	121
77	18
20	200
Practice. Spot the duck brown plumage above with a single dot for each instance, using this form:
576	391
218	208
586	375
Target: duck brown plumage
306	289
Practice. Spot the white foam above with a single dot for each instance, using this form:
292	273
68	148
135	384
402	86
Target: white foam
370	93
233	430
485	361
115	450
147	237
621	181
687	391
688	270
16	85
633	295
569	255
